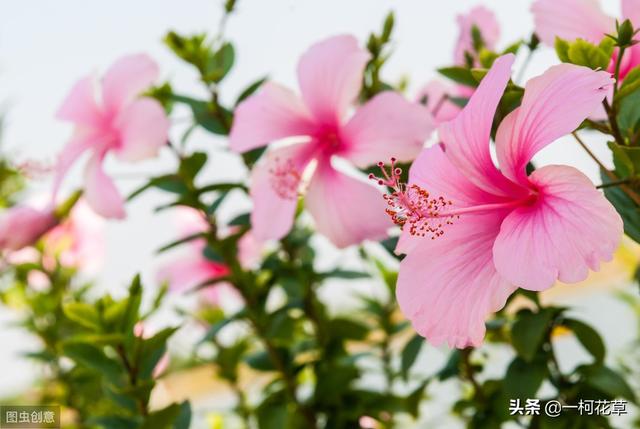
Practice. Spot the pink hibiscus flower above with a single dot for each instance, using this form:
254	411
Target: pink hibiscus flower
583	19
485	21
436	91
22	226
345	209
79	240
192	268
472	233
117	120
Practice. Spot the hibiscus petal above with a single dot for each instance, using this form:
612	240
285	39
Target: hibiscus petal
570	20
330	76
448	286
67	157
100	192
126	79
434	172
386	126
485	21
631	11
144	129
554	104
80	105
345	209
274	190
441	108
189	272
571	228
466	138
273	113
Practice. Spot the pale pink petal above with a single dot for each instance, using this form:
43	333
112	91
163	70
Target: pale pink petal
249	250
126	79
433	172
345	210
275	183
386	126
80	240
68	156
485	21
569	230
440	107
273	113
143	127
80	105
22	226
330	77
554	104
447	286
570	20
631	11
100	192
466	138
189	272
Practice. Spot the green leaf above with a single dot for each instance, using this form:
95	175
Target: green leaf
273	416
630	84
625	166
348	329
606	381
192	165
629	114
523	379
562	50
452	367
151	351
220	63
170	183
588	337
212	118
83	314
587	54
93	358
184	240
260	361
114	422
169	417
248	91
529	331
459	74
626	207
410	354
344	274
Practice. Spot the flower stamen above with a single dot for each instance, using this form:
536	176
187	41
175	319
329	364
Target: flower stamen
285	179
413	206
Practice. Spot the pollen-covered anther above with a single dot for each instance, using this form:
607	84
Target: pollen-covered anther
285	178
411	206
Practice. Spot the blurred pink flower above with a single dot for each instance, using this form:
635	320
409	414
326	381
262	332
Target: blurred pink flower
79	240
22	226
345	209
485	21
473	233
117	120
165	360
436	91
584	19
435	96
192	268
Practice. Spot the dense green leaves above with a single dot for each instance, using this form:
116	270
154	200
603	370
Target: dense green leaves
588	337
529	330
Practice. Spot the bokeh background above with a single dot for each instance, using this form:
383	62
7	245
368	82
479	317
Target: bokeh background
45	46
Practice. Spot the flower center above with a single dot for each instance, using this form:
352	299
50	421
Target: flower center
413	206
285	178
